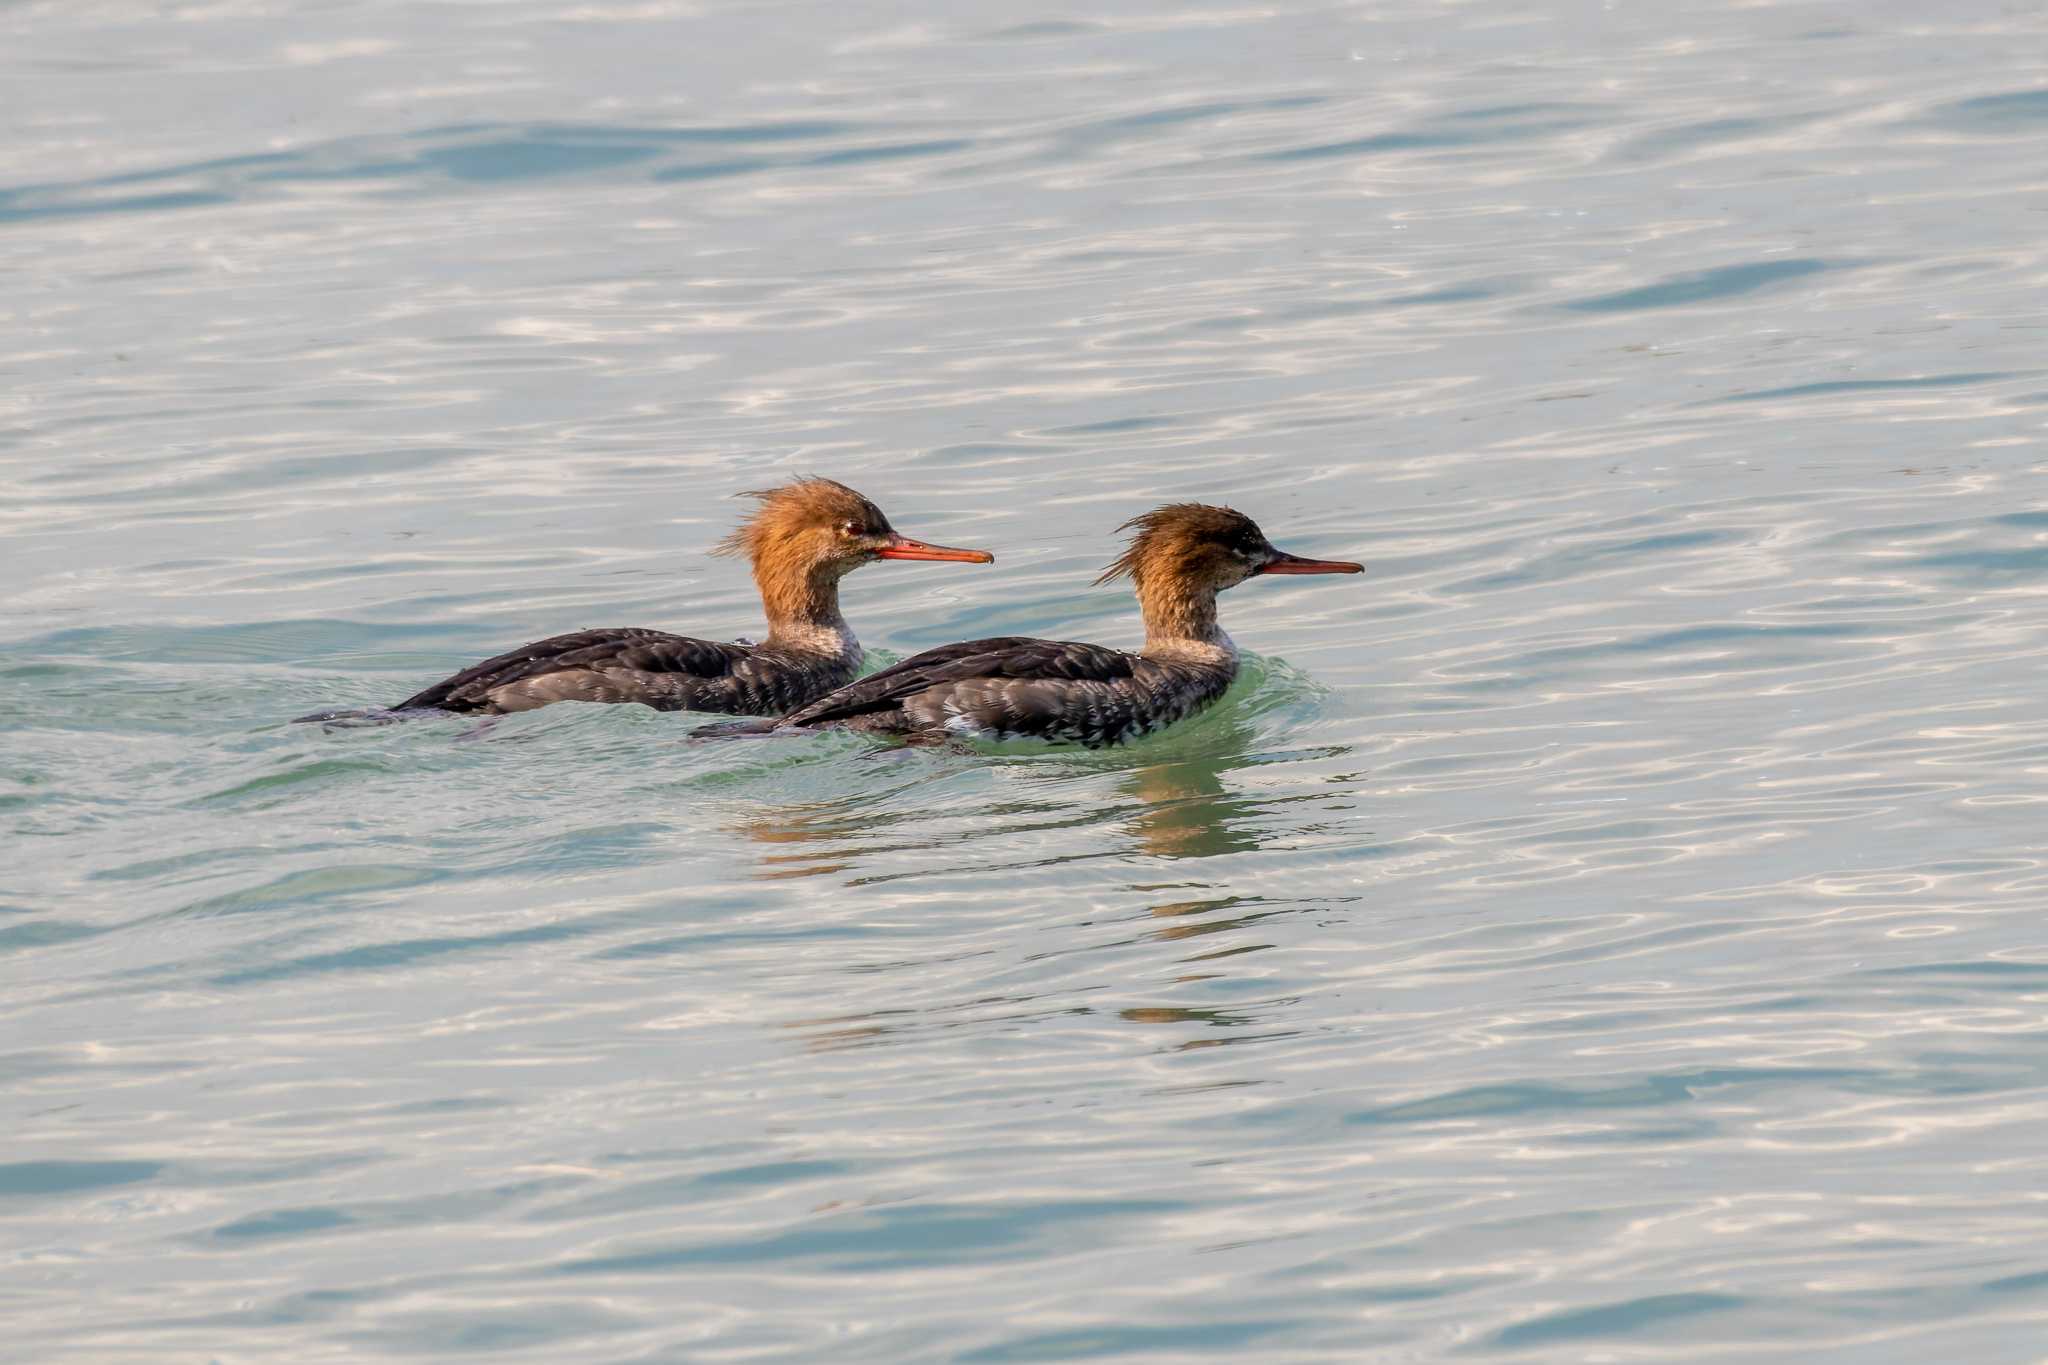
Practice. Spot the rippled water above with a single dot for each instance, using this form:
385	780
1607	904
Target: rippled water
1610	930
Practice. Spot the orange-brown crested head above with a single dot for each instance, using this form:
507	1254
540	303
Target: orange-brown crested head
805	522
1191	547
823	522
807	534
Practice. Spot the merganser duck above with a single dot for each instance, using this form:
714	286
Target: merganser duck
1181	556
801	541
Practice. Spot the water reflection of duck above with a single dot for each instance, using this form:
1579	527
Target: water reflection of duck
801	541
1179	806
1182	556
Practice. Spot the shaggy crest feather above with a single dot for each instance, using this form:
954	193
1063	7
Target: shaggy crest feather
786	507
1174	530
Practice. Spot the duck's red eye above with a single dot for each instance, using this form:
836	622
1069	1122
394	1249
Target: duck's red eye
849	528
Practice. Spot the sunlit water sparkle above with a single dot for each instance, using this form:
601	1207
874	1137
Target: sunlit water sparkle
1607	931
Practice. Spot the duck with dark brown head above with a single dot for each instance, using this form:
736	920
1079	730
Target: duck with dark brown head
803	538
1014	687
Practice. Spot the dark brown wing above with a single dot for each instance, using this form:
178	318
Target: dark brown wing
622	650
952	667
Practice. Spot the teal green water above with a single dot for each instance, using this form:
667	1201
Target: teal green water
1609	930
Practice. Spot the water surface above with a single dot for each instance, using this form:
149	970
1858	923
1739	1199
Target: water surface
1609	930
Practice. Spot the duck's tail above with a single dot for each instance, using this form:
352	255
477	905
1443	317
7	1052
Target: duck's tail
737	729
364	716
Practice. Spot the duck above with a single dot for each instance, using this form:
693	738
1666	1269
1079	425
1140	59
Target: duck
1179	557
802	538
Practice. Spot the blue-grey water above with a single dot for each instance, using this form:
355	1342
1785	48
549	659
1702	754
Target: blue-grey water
1613	929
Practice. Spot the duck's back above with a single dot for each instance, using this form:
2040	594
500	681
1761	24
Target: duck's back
631	664
1014	687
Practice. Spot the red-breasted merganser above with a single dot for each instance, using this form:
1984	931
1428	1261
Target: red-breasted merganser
1009	688
801	541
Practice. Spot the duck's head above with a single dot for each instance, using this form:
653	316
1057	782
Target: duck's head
1192	547
820	526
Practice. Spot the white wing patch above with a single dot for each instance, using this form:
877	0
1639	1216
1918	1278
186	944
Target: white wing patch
958	722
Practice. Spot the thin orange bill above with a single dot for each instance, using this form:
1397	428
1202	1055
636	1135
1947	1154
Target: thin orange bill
1288	563
903	547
